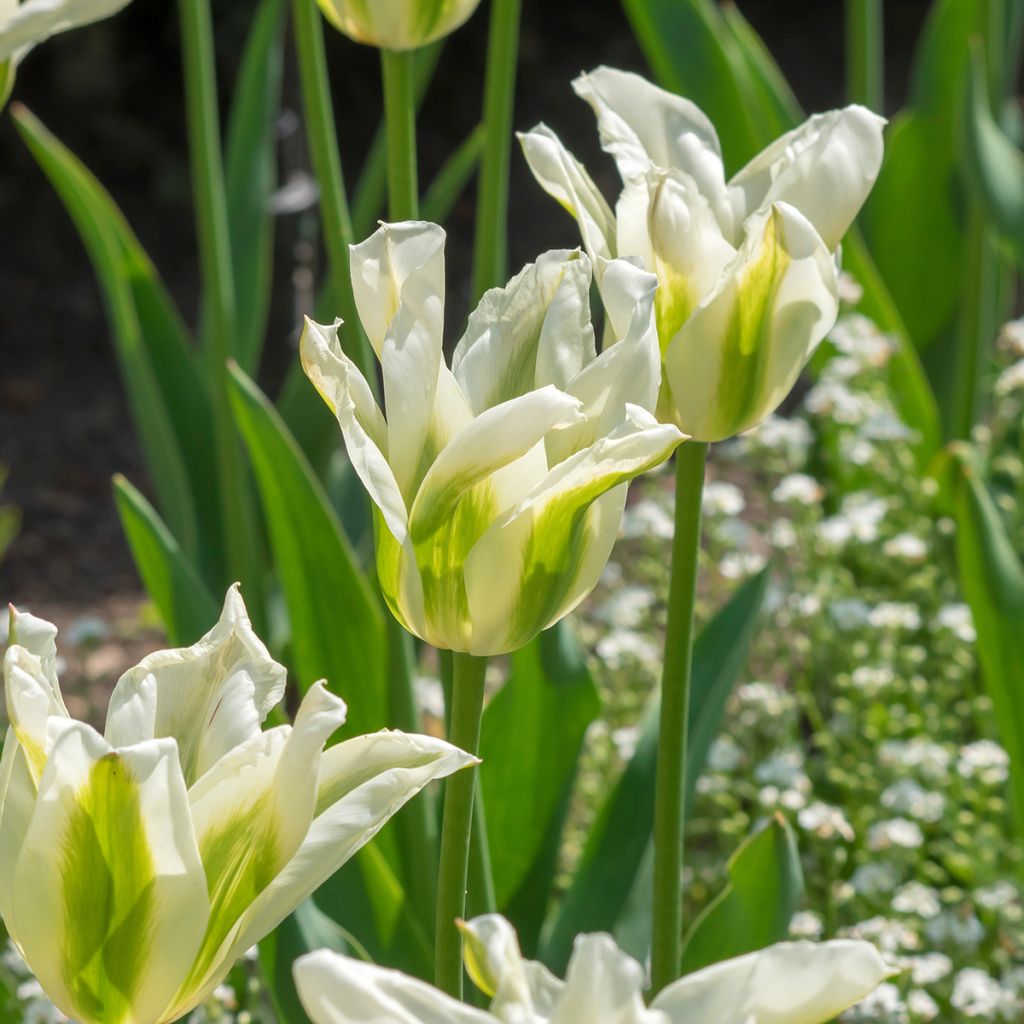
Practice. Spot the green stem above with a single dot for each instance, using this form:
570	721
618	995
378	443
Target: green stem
491	250
865	57
670	783
218	279
456	825
398	68
323	150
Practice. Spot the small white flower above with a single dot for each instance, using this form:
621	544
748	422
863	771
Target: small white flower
722	498
917	898
740	564
898	832
872	679
799	488
909	797
956	927
921	1005
825	821
957	618
883	1006
805	924
977	994
906	546
928	968
623	646
1011	337
874	878
888	935
647	518
849	613
997	895
895	615
784	768
1010	380
627	607
984	760
930	758
724	755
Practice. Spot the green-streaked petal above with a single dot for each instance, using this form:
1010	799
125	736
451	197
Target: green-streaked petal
33	698
209	697
549	540
349	397
251	812
399	577
825	168
337	989
739	354
110	897
643	126
664	219
566	180
363	783
34	21
534	331
397	24
17	802
789	983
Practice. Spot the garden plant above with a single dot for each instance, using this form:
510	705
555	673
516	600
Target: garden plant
671	604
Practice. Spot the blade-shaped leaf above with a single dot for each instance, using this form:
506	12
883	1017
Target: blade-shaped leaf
185	605
336	622
621	834
251	174
754	909
992	580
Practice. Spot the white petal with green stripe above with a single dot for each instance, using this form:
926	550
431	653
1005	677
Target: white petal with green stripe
110	899
24	25
534	331
210	697
739	354
17	803
33	697
538	560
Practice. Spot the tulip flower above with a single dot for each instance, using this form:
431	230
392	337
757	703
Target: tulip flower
397	24
24	25
748	284
498	484
138	864
789	983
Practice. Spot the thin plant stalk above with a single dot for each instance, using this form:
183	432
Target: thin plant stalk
490	258
457	822
670	781
217	277
398	69
323	149
865	56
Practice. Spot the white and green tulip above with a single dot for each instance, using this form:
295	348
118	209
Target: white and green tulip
23	25
138	864
789	983
397	24
748	283
498	484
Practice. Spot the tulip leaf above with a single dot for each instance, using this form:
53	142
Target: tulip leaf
531	737
619	839
992	580
166	390
336	622
754	909
251	174
186	606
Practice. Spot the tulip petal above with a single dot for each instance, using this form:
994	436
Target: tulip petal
39	638
209	697
542	558
534	331
251	812
464	492
17	802
789	983
36	20
643	126
110	902
336	989
33	697
825	168
740	353
566	180
363	783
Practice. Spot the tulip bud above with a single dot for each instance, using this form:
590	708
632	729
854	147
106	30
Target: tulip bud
397	24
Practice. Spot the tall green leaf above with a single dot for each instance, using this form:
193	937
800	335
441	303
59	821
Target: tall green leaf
337	631
754	909
617	842
187	609
992	579
251	175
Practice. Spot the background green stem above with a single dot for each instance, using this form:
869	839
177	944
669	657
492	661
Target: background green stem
456	826
398	68
670	783
865	57
490	256
323	149
207	164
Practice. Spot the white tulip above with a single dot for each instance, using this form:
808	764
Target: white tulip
498	484
789	983
397	24
748	284
138	864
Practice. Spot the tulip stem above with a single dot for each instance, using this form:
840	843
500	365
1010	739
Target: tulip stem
323	151
670	784
865	57
398	68
217	269
457	822
490	256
